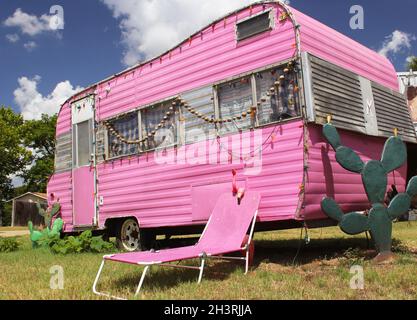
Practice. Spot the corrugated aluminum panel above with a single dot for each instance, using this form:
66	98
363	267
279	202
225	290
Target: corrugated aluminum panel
63	153
60	185
202	101
392	112
330	45
337	92
101	143
161	194
325	177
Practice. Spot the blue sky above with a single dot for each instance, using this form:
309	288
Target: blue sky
101	37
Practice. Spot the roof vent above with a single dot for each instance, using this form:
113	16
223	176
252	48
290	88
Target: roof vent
254	25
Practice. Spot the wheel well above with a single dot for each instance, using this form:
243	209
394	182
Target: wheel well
113	224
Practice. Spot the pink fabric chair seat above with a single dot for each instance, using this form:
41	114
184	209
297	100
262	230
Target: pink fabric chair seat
225	233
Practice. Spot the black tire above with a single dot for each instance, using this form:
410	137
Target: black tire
130	237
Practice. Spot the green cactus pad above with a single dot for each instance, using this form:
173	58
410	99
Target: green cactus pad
332	136
412	187
380	226
349	160
394	154
399	206
375	181
332	209
354	223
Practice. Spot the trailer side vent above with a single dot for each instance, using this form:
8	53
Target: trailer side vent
254	25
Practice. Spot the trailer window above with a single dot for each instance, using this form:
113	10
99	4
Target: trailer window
235	98
195	128
160	128
127	127
281	105
254	25
82	142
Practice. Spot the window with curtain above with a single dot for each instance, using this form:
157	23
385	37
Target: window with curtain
281	105
167	135
127	127
235	98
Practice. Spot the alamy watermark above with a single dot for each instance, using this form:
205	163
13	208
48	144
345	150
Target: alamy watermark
357	282
205	147
56	20
57	278
357	21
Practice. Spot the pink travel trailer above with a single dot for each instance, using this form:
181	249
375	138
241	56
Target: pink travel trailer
237	107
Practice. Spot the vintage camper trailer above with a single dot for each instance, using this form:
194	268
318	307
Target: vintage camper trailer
148	151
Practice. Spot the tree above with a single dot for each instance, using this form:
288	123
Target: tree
13	154
39	137
412	64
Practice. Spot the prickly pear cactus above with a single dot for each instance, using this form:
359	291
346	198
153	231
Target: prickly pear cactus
374	177
49	213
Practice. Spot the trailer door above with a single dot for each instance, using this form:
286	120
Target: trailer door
84	170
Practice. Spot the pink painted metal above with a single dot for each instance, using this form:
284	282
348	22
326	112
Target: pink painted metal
332	46
161	195
60	185
327	178
83	195
225	233
170	195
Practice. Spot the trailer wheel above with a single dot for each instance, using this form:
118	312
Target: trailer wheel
131	238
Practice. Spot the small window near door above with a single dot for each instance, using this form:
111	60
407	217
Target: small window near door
83	143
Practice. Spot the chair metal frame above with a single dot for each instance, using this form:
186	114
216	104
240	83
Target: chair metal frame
203	258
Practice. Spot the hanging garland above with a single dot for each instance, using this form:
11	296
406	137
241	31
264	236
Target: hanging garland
251	111
161	124
178	102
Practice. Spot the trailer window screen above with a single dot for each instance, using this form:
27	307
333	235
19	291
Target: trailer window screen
281	105
235	98
128	128
196	129
254	26
160	128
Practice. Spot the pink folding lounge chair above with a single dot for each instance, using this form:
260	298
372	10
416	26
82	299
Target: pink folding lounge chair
225	233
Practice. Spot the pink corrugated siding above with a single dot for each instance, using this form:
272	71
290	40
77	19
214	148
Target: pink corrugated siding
64	120
160	195
211	57
327	178
61	186
328	44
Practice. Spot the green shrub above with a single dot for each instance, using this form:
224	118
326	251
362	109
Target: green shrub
9	244
83	243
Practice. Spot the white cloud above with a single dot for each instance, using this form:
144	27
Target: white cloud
13	38
150	27
29	46
33	104
31	25
410	58
396	42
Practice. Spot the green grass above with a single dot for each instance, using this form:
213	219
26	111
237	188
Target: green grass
321	271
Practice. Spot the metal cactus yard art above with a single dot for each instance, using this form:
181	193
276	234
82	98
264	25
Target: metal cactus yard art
374	177
49	213
51	230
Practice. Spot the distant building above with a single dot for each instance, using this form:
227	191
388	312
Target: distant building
24	209
408	86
